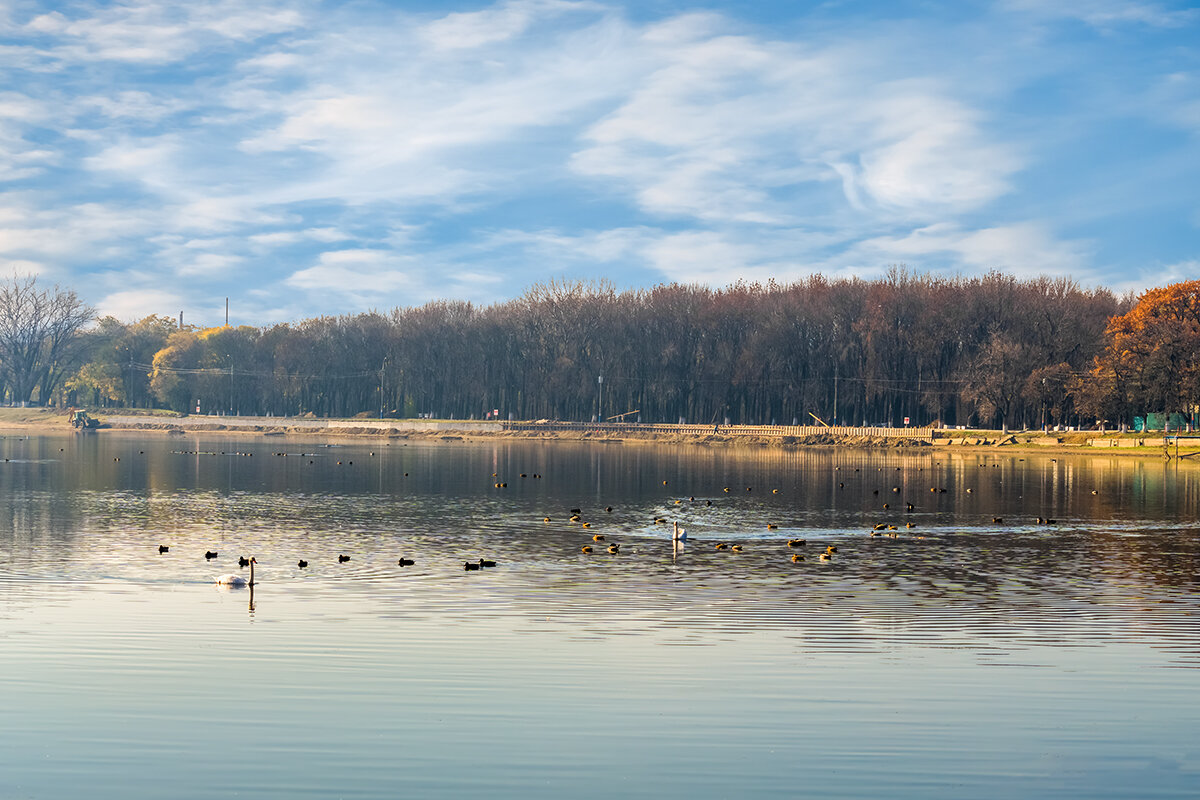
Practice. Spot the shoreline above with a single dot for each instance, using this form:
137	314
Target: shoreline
34	420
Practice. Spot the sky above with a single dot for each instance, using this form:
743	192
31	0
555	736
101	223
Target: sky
323	158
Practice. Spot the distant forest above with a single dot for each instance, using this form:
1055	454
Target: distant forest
979	351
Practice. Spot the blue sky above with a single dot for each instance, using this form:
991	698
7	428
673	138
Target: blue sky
308	158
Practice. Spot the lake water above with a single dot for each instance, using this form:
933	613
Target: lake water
966	657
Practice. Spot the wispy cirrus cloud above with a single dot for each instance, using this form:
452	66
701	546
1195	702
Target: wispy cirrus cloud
151	31
322	159
1107	13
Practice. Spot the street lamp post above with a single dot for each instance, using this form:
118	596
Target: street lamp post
600	398
382	367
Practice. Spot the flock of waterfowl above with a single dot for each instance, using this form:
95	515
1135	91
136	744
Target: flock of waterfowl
233	579
678	537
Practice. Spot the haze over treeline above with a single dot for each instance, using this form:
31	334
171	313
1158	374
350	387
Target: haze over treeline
970	350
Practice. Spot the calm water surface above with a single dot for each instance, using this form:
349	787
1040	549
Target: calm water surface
967	657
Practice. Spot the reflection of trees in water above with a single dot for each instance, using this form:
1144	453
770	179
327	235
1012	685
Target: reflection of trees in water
1117	564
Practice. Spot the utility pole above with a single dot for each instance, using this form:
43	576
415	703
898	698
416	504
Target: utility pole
835	383
381	369
226	312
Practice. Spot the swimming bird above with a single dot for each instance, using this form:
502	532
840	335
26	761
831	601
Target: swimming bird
830	549
797	558
468	566
826	557
236	580
997	519
545	519
608	509
162	548
406	562
599	537
483	562
722	546
797	542
343	559
771	526
587	548
302	563
774	491
615	548
210	554
881	526
587	524
737	548
243	562
909	525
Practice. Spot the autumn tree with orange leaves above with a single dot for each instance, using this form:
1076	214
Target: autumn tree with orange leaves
1152	361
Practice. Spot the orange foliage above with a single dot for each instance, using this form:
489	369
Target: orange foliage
1153	355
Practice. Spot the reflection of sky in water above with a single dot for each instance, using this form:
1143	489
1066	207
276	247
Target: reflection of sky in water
984	660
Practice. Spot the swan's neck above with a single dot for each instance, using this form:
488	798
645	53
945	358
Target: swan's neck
251	574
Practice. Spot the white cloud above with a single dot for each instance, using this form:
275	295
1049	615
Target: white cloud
1022	249
355	272
721	125
155	32
133	105
20	266
1155	276
595	247
150	161
462	30
131	305
64	235
1105	13
209	265
279	238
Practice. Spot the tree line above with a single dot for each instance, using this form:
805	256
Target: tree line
978	351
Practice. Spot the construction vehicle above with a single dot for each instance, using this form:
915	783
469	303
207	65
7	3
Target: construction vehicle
80	420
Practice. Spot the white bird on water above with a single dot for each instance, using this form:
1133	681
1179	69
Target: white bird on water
233	579
680	534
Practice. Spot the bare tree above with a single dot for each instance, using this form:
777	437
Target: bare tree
39	336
